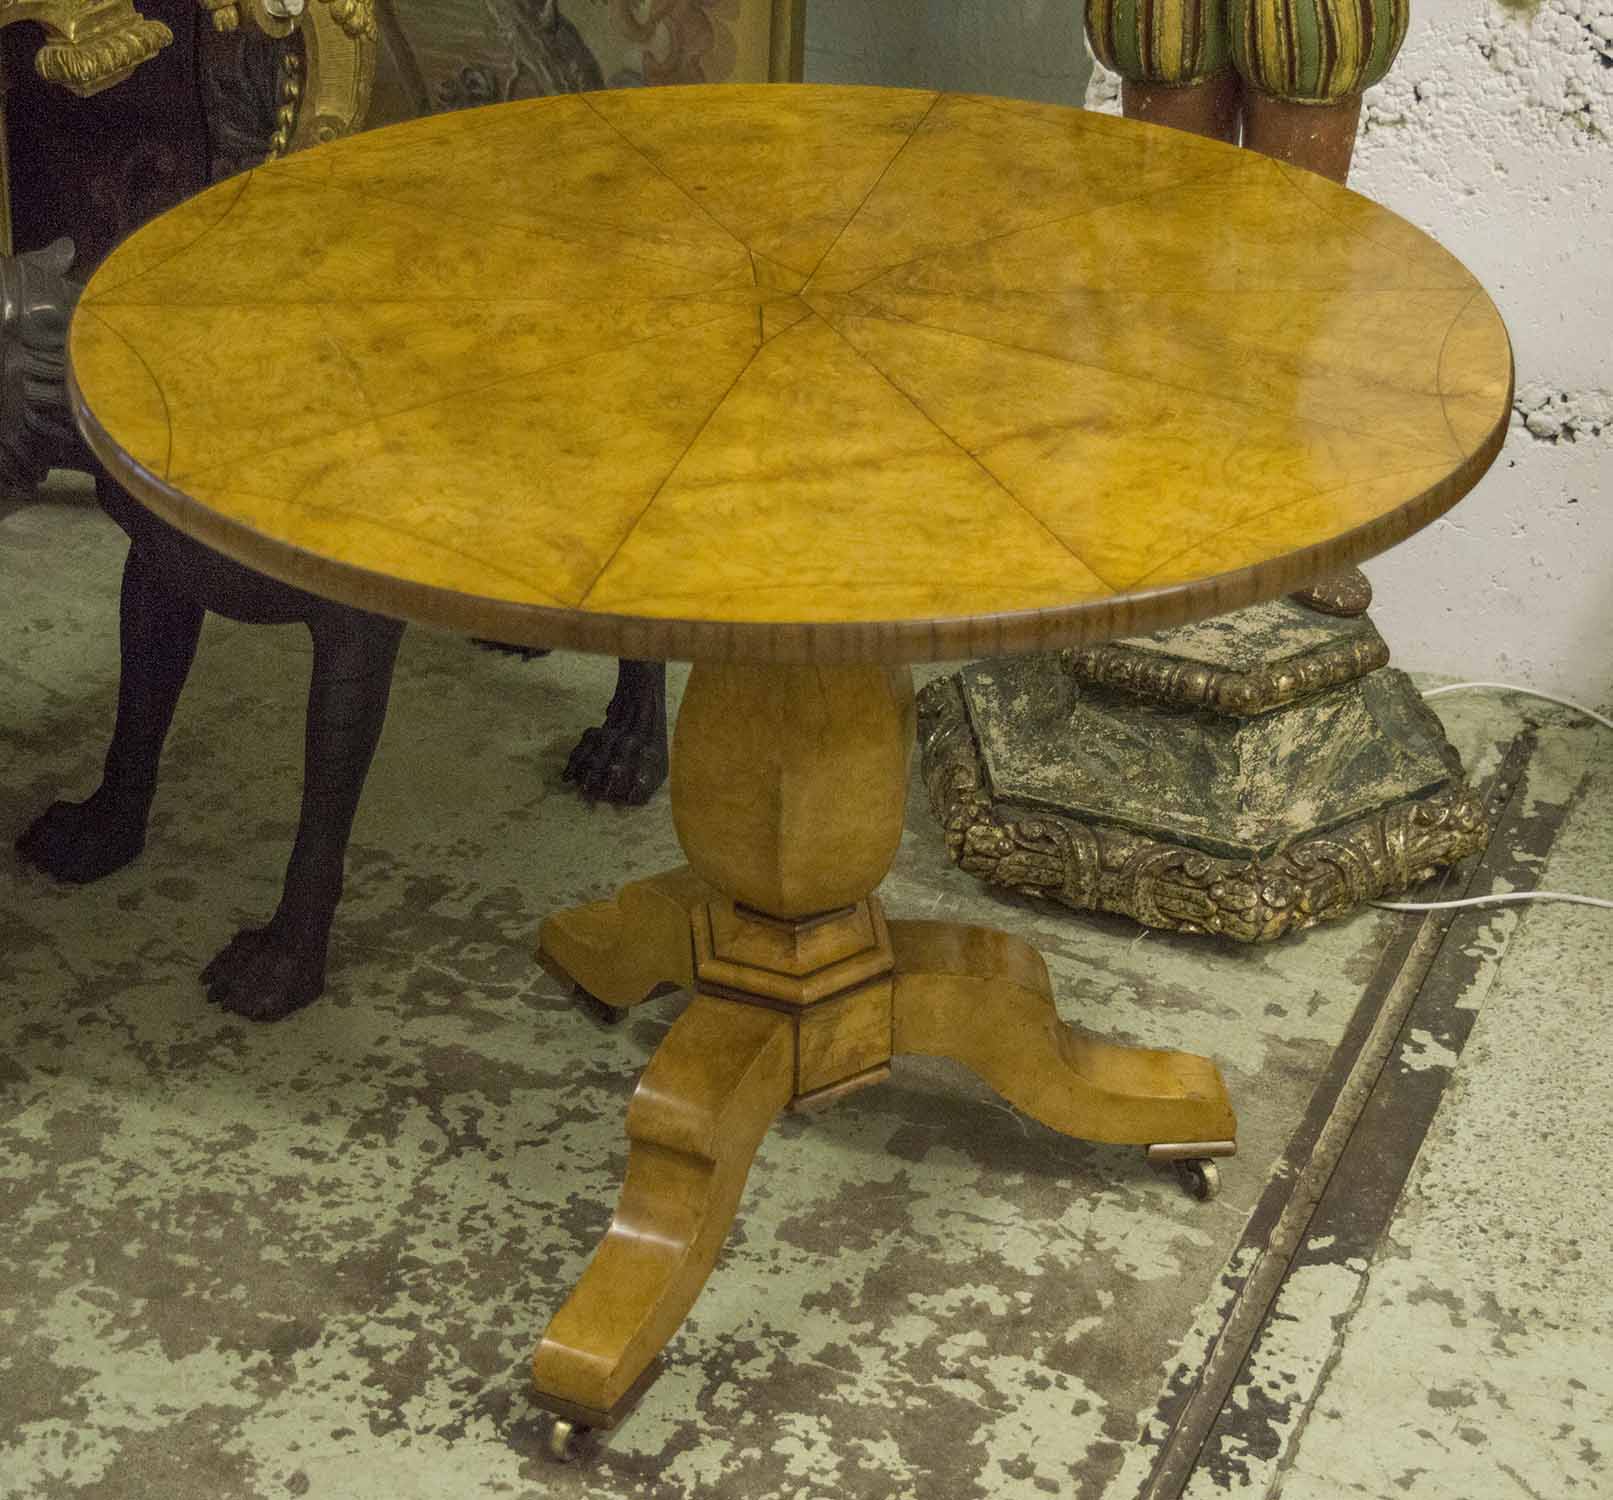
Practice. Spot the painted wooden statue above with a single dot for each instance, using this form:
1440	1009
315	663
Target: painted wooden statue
1284	76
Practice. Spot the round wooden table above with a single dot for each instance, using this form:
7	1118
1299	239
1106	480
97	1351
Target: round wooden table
801	384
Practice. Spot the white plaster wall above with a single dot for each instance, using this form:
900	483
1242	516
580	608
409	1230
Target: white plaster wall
1494	132
1025	49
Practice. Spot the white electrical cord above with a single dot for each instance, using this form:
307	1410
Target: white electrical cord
1505	898
1500	899
1507	687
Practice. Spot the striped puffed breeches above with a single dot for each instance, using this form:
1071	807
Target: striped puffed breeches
1306	51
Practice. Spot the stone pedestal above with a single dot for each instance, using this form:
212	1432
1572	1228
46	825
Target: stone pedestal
1250	775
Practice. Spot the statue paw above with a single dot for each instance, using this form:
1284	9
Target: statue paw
266	973
82	841
620	762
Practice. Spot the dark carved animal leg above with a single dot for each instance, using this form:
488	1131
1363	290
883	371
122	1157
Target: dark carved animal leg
36	300
625	759
158	628
266	973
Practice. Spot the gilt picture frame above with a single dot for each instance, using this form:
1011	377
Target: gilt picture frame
446	54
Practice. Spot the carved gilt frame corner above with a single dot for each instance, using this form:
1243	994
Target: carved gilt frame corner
789	41
89	44
339	44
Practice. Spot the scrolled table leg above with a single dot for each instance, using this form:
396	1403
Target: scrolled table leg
983	998
701	1109
622	950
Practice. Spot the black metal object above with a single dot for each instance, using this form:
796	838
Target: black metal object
1331	1197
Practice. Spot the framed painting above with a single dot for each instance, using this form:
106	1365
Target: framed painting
449	54
113	85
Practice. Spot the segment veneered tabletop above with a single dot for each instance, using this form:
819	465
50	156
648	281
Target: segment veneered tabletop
789	373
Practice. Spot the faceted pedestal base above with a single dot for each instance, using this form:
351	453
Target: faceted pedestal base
789	786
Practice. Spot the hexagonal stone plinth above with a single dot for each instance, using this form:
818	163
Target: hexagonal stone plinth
1249	775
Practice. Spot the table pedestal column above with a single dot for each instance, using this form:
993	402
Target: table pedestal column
788	791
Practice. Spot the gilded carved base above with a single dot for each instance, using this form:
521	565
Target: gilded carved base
1346	595
1255	687
89	44
1092	865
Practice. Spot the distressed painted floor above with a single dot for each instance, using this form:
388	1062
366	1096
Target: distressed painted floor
313	1258
1467	1351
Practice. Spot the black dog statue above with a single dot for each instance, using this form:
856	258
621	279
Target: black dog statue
169	583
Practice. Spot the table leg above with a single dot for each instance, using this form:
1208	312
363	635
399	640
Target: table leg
983	998
700	1111
621	951
788	792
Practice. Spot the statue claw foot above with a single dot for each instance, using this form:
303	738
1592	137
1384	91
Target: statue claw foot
625	759
266	973
618	765
84	841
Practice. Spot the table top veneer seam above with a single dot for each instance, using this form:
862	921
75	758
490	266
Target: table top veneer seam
151	375
1166	385
189	475
666	478
437	210
520	580
973	457
957	246
662	172
873	187
178	250
1141	580
1286	174
1439	367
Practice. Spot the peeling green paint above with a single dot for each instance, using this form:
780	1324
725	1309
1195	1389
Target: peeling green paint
313	1258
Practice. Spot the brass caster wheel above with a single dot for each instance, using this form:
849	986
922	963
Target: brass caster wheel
1194	1164
567	1440
596	1010
1200	1177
